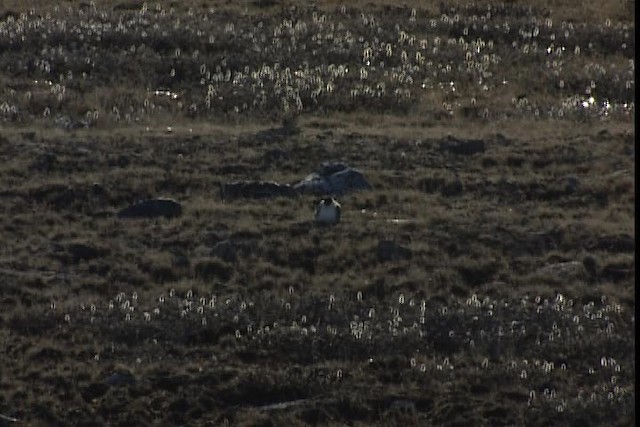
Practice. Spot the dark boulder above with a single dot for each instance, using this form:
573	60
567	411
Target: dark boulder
255	190
152	208
332	178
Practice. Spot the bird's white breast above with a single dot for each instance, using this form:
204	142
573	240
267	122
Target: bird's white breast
326	213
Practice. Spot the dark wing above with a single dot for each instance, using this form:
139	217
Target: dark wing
338	212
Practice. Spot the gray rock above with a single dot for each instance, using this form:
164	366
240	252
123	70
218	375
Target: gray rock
391	251
333	178
152	208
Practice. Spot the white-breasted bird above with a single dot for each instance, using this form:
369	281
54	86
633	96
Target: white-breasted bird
328	211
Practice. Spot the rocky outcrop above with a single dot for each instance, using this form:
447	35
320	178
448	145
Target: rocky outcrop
333	178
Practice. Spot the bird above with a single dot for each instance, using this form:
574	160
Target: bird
328	211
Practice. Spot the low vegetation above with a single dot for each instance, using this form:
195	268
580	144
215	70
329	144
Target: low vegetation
488	277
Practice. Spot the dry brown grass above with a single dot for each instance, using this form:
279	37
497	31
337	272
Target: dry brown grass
488	235
586	11
513	83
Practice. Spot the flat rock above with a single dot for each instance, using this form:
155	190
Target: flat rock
152	208
333	178
255	190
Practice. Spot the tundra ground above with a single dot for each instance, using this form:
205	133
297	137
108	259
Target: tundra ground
487	279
